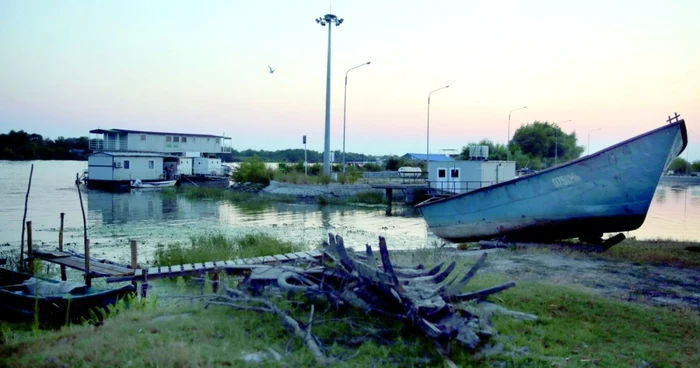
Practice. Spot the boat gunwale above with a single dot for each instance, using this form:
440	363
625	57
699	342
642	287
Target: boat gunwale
684	135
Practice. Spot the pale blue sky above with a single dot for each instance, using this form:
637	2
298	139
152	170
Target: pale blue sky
70	66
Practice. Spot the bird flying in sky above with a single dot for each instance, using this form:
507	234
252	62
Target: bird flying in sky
271	70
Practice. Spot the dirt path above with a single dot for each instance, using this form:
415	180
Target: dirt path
656	285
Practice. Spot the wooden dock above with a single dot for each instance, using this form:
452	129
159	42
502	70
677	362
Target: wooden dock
115	272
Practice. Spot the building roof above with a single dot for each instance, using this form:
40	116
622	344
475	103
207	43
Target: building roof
134	154
118	131
422	156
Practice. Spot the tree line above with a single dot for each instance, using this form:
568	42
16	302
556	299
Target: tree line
20	145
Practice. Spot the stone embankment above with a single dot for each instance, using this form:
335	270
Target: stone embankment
320	190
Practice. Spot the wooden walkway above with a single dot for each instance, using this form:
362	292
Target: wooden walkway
118	273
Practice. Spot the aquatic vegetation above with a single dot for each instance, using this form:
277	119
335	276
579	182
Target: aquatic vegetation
217	247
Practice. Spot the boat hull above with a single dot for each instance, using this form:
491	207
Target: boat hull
16	303
609	191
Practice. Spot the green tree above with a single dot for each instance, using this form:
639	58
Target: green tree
695	166
252	170
679	166
545	141
497	151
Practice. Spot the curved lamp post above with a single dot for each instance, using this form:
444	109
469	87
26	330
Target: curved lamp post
345	103
556	136
328	19
427	157
588	146
508	141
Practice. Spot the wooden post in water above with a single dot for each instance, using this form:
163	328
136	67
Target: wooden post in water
134	256
389	197
30	260
60	247
24	218
88	281
134	259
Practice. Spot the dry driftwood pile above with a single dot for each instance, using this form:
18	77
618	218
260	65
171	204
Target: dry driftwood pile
414	295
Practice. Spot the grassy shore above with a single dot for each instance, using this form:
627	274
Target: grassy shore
575	327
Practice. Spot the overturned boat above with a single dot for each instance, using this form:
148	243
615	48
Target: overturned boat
609	191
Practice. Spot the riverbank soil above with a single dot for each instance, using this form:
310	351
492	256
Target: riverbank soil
659	273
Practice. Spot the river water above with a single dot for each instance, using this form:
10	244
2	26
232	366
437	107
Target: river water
152	219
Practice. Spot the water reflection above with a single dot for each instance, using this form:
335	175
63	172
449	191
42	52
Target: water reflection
153	218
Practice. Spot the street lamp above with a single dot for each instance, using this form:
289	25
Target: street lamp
427	157
589	140
328	19
345	102
508	141
556	146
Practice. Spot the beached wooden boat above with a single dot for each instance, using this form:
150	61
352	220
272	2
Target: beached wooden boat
56	301
138	184
608	191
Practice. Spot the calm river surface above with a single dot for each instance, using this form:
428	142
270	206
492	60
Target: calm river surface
113	219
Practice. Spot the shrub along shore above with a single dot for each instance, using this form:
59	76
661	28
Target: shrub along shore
575	327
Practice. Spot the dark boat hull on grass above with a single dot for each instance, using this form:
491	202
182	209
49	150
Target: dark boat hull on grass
609	191
16	302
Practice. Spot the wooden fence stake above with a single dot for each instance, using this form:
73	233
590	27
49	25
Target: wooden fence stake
60	247
24	218
30	251
134	255
144	283
134	259
88	281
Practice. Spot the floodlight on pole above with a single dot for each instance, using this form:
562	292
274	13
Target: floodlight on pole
427	156
588	146
508	141
556	136
345	100
328	19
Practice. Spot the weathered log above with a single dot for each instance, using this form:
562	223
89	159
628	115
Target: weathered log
371	261
482	293
433	279
386	262
456	288
405	273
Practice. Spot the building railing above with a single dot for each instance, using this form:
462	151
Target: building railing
96	144
451	187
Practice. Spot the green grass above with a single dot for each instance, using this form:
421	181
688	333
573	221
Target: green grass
217	247
656	252
576	328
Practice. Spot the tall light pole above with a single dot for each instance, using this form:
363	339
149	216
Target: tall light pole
588	146
556	136
345	103
508	141
328	19
427	156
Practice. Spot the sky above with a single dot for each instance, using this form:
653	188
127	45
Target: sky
614	68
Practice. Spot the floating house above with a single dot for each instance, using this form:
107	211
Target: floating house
120	156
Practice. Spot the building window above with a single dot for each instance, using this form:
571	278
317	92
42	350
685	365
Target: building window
218	140
442	173
126	164
151	164
176	139
168	138
143	137
454	173
183	139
